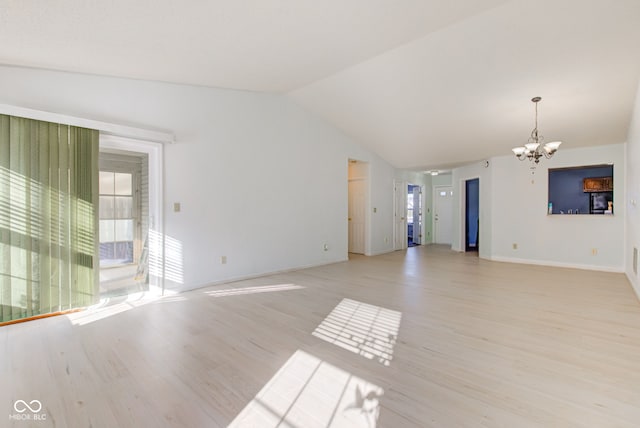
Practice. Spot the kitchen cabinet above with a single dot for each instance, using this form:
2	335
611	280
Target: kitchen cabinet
597	184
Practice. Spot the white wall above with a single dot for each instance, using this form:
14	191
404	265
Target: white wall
260	180
632	198
519	214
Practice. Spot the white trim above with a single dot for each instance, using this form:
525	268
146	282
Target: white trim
557	264
379	253
103	127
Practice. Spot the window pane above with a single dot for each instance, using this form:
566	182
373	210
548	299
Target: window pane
123	184
124	230
106	183
107	251
124	252
106	207
107	231
124	207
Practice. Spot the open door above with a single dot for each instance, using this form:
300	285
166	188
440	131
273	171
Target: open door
356	215
400	215
358	173
414	215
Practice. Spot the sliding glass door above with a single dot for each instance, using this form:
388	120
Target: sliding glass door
48	217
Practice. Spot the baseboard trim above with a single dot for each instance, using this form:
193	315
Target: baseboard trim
379	253
557	264
256	275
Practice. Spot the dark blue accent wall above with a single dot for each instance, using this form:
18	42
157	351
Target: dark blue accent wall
565	187
472	192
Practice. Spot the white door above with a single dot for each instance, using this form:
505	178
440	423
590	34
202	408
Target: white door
400	216
417	215
356	215
443	214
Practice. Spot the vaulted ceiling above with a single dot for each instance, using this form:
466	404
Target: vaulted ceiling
423	83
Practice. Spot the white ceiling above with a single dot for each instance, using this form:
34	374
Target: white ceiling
423	83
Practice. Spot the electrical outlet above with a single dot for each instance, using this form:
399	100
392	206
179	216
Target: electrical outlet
223	260
325	247
515	246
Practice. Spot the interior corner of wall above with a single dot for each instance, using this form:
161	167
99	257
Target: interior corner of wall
633	280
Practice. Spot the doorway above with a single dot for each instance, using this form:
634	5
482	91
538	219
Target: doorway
358	182
442	214
472	214
147	271
124	222
414	215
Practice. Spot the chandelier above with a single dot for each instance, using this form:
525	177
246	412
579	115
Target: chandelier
535	147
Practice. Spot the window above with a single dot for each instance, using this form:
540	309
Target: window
117	218
410	208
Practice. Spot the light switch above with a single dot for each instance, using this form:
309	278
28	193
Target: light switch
176	207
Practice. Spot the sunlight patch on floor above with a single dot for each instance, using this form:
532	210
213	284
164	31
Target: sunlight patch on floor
367	330
308	392
110	306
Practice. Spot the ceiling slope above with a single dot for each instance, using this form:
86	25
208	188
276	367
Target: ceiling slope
257	45
463	93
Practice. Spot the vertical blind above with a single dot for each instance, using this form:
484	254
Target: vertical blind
48	217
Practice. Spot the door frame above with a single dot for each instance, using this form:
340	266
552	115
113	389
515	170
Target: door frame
463	211
463	208
155	152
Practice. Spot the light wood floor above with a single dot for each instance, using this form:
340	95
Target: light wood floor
479	344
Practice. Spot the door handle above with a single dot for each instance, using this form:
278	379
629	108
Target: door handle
349	218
